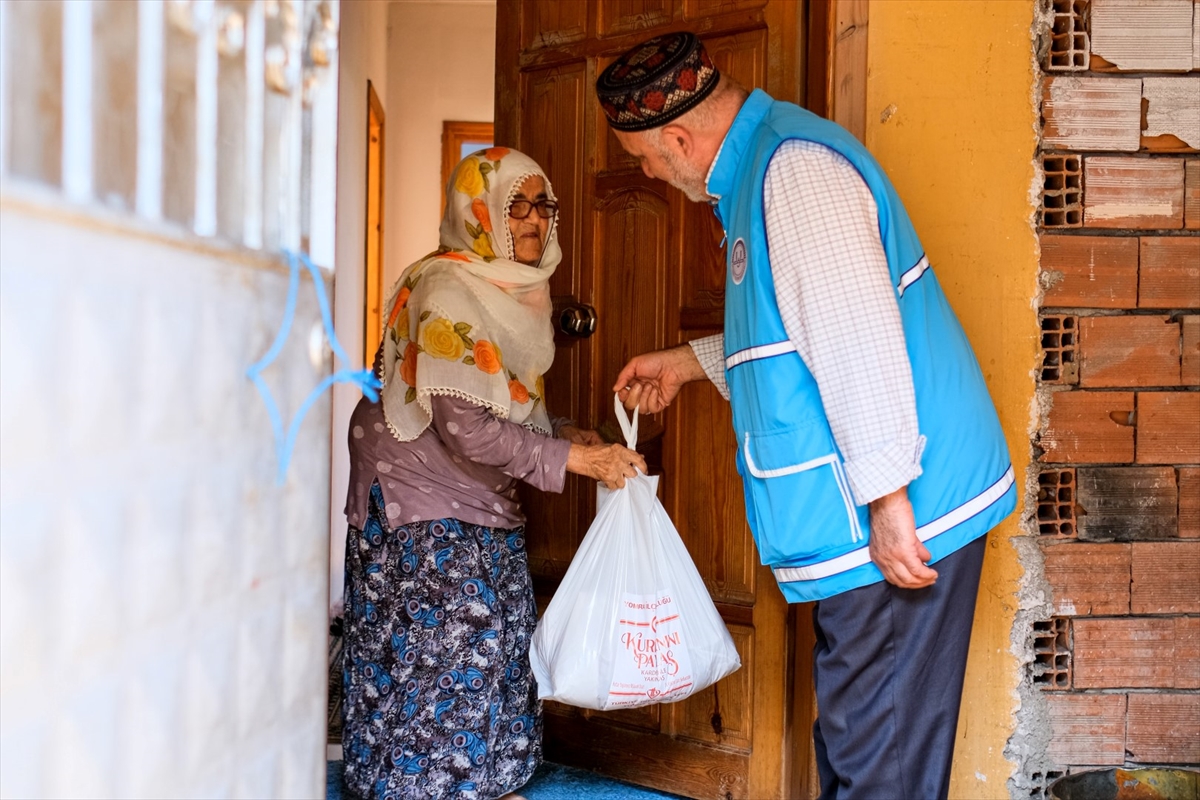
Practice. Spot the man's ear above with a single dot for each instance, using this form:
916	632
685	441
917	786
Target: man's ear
678	139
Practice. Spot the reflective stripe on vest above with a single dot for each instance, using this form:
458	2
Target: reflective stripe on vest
759	351
856	558
912	275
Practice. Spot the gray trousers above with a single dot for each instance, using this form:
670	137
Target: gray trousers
888	668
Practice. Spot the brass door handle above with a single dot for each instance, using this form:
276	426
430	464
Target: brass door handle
577	320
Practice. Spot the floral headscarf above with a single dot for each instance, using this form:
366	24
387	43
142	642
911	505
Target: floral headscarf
468	320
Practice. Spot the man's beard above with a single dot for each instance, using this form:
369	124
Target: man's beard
686	177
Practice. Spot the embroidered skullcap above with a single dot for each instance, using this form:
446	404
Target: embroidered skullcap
655	82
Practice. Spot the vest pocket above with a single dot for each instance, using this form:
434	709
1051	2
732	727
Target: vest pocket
800	497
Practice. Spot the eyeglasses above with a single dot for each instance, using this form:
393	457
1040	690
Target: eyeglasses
520	209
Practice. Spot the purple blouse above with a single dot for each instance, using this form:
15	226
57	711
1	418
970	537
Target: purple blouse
465	465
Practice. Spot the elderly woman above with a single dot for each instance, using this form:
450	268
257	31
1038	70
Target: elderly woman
440	701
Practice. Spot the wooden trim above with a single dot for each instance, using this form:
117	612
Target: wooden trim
508	55
837	62
816	66
659	762
803	777
373	288
454	135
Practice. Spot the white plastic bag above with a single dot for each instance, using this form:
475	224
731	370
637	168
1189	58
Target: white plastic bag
632	623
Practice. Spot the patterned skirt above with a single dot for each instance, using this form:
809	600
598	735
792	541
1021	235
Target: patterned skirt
440	701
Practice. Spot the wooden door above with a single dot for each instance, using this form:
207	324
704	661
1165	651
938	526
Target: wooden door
652	265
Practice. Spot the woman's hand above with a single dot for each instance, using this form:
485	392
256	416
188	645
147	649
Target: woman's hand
652	380
610	464
579	435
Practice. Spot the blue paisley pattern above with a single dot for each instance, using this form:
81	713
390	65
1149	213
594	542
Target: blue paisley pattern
440	701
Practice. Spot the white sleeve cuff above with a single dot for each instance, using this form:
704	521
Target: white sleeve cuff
710	352
882	472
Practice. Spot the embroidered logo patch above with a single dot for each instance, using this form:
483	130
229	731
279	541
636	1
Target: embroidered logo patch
737	260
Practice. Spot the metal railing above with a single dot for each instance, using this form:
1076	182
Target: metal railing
219	116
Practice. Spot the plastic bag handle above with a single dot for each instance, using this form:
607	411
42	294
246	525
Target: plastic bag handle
629	429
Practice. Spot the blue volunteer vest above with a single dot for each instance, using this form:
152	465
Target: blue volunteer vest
798	501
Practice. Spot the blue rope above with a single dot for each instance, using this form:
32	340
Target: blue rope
365	379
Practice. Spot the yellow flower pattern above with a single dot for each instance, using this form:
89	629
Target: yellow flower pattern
483	247
440	340
470	179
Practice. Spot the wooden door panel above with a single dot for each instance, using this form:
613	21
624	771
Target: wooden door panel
722	713
742	56
646	718
667	763
613	157
698	9
630	273
552	135
704	494
623	16
552	23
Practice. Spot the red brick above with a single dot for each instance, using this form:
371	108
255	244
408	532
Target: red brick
1170	104
1088	579
1169	272
1168	427
1128	351
1131	652
1062	191
1088	428
1189	502
1092	113
1187	652
1189	369
1164	728
1128	192
1191	194
1060	343
1166	578
1089	271
1141	35
1126	504
1086	728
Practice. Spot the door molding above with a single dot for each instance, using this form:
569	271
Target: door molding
837	62
373	244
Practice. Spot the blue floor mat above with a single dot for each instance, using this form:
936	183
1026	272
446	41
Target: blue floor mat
550	782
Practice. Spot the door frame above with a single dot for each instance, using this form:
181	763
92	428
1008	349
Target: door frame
373	288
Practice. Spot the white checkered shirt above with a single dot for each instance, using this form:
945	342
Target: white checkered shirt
839	308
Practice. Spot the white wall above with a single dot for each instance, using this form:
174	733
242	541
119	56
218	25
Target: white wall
442	65
429	60
162	600
363	50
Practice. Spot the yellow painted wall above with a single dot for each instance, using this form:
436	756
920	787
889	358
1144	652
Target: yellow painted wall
959	146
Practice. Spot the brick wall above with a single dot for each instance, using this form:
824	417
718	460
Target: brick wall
1118	504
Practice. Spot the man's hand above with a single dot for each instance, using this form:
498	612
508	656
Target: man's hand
577	435
895	548
652	380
